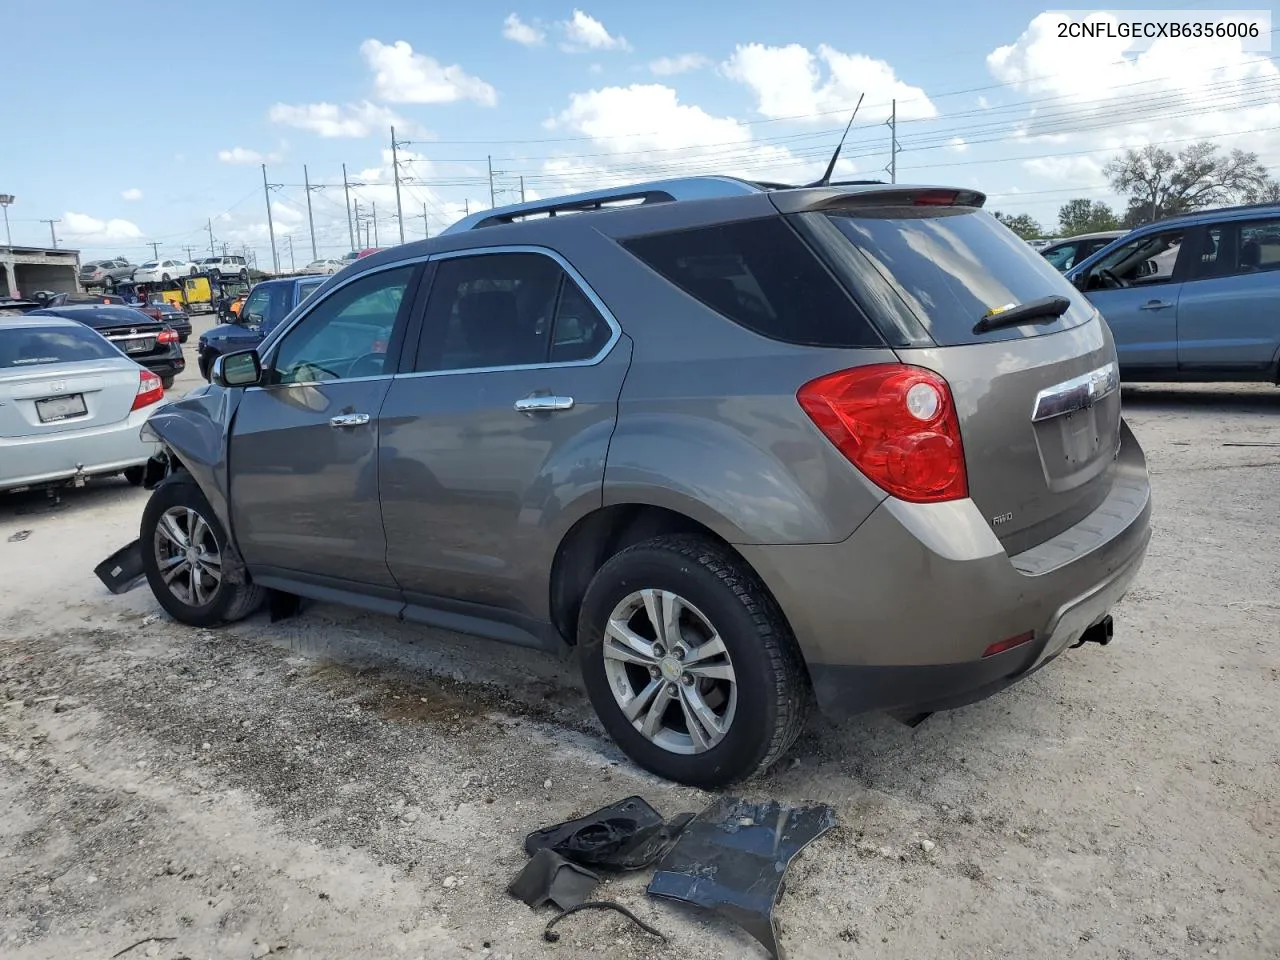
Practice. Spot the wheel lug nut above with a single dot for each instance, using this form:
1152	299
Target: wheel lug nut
672	689
653	672
687	679
679	653
658	651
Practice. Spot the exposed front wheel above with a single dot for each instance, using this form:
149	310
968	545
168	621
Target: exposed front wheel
166	382
183	546
689	662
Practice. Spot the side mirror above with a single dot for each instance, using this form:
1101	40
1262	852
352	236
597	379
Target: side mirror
242	369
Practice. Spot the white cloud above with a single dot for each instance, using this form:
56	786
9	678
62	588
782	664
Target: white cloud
643	131
241	155
1096	93
133	193
1083	171
402	76
526	34
584	32
330	120
670	66
958	144
84	229
984	103
789	82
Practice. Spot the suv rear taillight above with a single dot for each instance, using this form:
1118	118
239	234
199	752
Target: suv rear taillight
167	336
895	423
150	390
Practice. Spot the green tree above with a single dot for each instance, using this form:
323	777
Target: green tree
1023	224
1083	215
1160	184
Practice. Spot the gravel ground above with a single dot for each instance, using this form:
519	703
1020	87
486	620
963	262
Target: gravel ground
340	785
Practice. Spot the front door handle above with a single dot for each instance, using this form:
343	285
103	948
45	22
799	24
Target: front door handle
543	404
349	420
1155	305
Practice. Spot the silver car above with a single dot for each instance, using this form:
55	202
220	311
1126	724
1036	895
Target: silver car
745	447
71	405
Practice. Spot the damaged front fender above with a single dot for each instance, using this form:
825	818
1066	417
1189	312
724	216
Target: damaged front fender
194	433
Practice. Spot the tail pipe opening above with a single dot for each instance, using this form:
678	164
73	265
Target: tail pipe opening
1100	633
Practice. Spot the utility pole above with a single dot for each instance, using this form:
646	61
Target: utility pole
355	242
522	188
491	201
395	173
892	124
213	252
466	205
271	229
426	224
346	192
373	205
288	239
52	236
5	200
155	249
306	182
190	252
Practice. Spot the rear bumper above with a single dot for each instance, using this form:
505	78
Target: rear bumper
59	457
898	616
169	366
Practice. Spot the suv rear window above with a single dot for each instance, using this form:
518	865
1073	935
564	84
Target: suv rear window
762	276
952	265
32	348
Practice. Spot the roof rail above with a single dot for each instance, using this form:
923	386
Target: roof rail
1206	211
656	191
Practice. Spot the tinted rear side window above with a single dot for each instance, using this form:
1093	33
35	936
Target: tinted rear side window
760	275
33	348
952	265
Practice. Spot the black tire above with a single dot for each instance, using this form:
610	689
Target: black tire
193	271
164	278
166	382
135	475
108	285
229	602
773	693
244	275
184	337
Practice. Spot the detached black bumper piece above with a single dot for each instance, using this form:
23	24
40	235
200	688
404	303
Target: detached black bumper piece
122	571
731	859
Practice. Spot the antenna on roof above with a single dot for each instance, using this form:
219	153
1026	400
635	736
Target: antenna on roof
831	167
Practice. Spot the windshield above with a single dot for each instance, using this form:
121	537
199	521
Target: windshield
33	348
149	265
952	265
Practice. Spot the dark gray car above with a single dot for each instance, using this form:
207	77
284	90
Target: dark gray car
744	447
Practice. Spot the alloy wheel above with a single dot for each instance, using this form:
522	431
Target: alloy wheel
187	556
670	671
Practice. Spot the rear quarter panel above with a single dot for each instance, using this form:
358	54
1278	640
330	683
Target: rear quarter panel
708	421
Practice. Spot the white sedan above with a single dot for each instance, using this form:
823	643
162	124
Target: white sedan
71	405
161	271
324	267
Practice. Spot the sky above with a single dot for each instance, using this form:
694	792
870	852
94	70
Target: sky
158	135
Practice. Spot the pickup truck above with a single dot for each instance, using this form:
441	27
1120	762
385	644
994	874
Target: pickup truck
268	303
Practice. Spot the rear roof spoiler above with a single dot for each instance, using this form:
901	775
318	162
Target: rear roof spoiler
819	199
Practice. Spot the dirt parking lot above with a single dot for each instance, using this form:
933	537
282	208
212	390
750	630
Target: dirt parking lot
341	785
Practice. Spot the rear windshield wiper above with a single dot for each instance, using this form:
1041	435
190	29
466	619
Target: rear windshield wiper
1044	310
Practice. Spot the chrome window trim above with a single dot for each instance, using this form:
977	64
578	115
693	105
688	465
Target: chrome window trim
615	329
1077	393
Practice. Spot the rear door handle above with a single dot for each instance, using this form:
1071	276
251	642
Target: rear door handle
349	420
1155	305
543	404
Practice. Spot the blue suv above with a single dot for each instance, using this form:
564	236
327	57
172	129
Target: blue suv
1193	298
268	303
